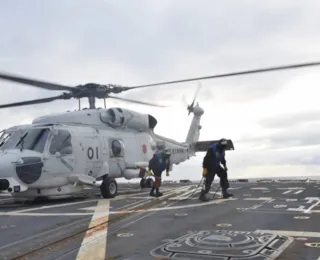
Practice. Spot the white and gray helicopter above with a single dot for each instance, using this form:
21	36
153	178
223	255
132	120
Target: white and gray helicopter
60	154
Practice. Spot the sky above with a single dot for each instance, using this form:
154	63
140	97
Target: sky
272	118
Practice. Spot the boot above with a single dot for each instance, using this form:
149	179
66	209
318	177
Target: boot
152	192
203	196
225	194
158	193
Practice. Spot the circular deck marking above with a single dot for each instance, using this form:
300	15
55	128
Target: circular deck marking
301	217
224	225
301	238
125	235
312	244
181	214
211	244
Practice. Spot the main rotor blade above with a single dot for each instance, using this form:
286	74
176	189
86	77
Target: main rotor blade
294	66
135	101
35	83
35	101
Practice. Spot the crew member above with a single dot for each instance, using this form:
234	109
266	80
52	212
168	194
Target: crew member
211	166
157	164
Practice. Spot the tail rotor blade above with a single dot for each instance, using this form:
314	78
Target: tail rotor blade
190	107
196	93
184	100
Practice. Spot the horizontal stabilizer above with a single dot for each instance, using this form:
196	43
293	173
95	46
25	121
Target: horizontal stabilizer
202	146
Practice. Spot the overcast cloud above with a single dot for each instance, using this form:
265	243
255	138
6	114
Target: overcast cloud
272	118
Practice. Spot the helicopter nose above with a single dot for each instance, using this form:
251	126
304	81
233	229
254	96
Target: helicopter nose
8	179
7	164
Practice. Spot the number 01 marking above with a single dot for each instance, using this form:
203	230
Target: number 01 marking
90	153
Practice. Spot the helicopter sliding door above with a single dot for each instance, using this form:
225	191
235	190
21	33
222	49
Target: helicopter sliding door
60	158
93	155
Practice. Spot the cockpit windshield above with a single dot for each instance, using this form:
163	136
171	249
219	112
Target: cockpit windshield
30	139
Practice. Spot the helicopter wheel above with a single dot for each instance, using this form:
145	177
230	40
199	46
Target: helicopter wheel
143	183
149	182
109	188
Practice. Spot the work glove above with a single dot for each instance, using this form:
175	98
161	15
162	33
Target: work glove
204	172
168	173
149	172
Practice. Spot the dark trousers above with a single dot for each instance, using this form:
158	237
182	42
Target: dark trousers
157	182
222	174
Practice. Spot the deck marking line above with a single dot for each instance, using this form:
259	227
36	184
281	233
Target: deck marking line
53	206
219	201
311	207
291	233
94	244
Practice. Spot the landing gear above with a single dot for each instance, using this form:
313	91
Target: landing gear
109	188
149	183
146	183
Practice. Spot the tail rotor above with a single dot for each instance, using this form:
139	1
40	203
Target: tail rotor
190	107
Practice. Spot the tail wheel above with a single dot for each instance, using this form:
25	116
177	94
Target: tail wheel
109	188
149	183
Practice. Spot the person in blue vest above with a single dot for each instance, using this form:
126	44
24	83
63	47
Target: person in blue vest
157	164
211	165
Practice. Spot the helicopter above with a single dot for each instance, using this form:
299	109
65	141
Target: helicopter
61	154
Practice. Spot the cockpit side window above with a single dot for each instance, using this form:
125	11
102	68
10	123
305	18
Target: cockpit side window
61	143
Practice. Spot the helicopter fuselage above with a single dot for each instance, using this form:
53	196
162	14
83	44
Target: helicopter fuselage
59	155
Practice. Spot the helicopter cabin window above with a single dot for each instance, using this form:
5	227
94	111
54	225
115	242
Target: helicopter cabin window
116	148
61	143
